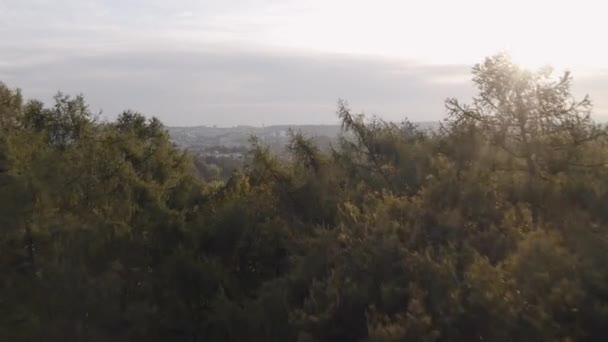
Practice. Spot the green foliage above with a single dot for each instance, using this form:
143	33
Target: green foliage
493	228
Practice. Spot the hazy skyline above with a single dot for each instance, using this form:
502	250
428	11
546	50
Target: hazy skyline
268	62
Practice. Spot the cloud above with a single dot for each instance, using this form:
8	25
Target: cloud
230	86
224	86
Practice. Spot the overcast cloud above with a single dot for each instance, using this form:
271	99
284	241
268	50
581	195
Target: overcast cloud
229	62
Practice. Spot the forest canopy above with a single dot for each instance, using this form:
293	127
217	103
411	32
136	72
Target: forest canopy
494	227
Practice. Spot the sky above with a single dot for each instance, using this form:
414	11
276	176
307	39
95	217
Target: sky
264	62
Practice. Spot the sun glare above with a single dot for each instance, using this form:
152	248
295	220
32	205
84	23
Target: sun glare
536	33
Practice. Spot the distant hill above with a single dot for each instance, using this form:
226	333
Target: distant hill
203	137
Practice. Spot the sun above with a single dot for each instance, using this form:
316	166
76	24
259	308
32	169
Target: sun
556	56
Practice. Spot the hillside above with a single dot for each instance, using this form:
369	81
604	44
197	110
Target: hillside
203	137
